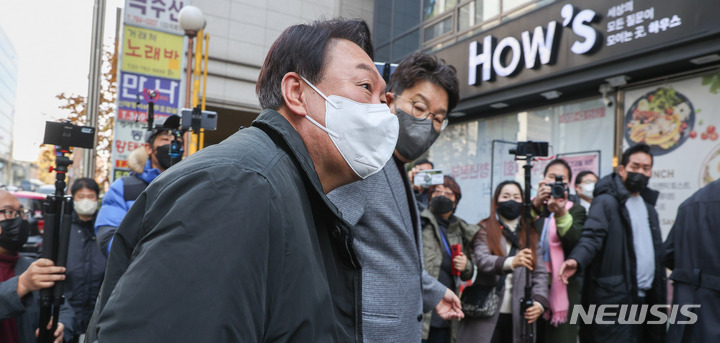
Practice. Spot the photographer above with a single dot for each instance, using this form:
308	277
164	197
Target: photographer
421	192
559	222
124	191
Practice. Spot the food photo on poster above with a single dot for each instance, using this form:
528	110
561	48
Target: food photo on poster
678	120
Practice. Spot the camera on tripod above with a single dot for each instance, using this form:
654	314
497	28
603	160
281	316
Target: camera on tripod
558	188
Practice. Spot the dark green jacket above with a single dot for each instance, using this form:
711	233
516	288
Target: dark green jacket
458	232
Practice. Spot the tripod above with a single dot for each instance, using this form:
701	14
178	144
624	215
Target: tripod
58	218
526	151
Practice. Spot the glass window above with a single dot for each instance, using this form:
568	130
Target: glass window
438	29
477	12
382	27
509	5
433	8
406	16
382	54
406	45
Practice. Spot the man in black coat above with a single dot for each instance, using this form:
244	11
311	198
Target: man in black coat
620	251
692	251
238	243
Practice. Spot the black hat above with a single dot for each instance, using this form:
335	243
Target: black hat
171	123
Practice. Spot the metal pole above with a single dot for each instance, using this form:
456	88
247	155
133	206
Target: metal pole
93	97
188	88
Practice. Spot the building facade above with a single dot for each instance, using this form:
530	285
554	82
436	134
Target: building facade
591	78
241	33
8	89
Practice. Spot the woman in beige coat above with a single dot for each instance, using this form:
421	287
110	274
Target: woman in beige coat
499	235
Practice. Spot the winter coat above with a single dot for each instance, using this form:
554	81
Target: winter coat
386	224
237	243
27	310
606	255
692	251
458	232
566	332
85	271
115	206
489	271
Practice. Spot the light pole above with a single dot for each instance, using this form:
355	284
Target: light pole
192	21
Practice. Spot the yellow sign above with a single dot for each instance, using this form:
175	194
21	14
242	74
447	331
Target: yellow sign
152	52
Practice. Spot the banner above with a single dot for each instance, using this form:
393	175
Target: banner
161	15
132	88
151	58
128	136
679	121
152	53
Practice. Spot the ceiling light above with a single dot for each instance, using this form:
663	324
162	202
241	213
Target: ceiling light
457	114
617	81
705	59
551	94
499	105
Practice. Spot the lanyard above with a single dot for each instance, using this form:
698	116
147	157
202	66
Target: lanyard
445	242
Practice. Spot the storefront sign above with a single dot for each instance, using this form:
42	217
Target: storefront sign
152	52
566	37
159	15
132	88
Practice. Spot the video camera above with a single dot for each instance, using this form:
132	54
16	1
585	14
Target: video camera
68	135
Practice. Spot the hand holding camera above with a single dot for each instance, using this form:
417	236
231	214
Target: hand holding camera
553	195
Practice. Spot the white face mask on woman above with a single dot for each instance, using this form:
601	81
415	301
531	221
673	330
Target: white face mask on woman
85	207
364	134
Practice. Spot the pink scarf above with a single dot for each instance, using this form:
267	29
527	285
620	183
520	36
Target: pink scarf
559	303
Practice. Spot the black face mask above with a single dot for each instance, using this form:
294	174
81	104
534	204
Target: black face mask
441	205
416	135
636	182
14	233
162	154
510	209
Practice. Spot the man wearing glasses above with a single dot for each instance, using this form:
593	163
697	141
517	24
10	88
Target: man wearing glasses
21	278
381	209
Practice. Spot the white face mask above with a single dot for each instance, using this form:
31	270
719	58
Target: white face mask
364	134
587	190
85	207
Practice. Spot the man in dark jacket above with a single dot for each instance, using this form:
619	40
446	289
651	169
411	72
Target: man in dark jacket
21	278
620	251
238	243
692	252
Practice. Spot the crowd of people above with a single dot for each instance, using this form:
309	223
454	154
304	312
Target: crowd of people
308	227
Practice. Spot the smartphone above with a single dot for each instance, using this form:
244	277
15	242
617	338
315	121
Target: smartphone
428	177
